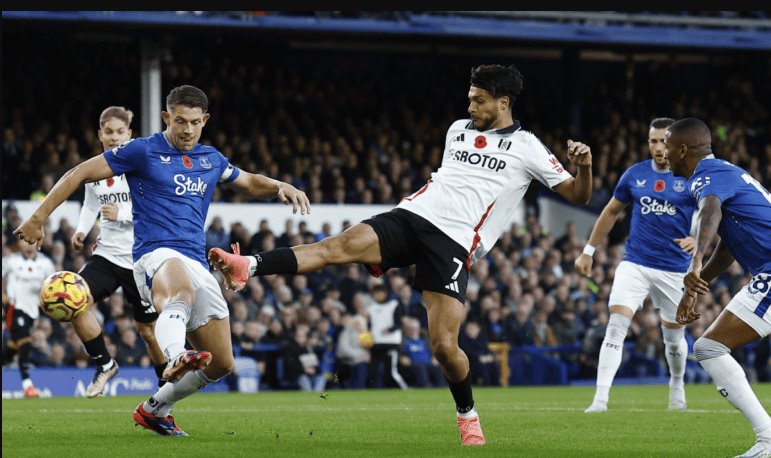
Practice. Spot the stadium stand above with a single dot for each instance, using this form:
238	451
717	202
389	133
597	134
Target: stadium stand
367	125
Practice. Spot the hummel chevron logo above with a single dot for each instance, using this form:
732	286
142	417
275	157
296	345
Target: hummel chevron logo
452	286
165	159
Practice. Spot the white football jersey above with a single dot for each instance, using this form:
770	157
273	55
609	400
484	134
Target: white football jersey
482	179
25	276
116	238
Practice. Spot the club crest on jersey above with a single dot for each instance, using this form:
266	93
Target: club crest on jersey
205	163
504	145
480	142
679	186
640	183
660	186
165	159
187	162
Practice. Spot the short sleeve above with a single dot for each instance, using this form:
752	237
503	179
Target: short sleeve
718	183
229	171
544	166
622	192
127	157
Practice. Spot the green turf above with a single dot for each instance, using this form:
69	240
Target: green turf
546	422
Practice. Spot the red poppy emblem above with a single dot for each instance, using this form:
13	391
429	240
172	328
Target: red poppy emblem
659	186
480	142
110	181
187	162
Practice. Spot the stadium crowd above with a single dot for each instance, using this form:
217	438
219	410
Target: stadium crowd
354	131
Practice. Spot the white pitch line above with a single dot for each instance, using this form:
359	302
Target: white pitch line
399	408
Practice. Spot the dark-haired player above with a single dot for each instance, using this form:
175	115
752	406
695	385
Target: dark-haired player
24	271
172	178
736	207
451	222
658	252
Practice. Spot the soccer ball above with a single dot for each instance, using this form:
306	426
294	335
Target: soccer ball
64	295
366	340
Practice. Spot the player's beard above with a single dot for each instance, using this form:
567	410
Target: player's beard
484	124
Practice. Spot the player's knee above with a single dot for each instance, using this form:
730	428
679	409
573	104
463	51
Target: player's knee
443	350
705	348
333	248
617	328
220	367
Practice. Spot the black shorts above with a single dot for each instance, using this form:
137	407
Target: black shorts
104	277
406	239
19	323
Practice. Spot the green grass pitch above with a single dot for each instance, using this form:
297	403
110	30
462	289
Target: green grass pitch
522	421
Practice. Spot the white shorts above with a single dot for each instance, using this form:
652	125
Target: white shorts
209	303
752	302
633	283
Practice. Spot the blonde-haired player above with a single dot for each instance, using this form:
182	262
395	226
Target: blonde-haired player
111	266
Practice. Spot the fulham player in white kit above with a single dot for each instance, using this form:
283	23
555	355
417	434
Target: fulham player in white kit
24	272
111	266
447	225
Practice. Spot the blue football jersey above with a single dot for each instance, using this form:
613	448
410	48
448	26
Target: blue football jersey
662	211
171	192
746	207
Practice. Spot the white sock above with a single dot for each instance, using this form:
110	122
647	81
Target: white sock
676	352
171	328
252	265
108	365
610	354
161	403
26	383
732	384
470	414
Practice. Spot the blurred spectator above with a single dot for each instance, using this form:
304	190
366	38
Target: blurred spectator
386	326
483	367
351	358
129	350
216	236
301	364
420	368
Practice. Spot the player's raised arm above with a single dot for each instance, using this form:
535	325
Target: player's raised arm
262	187
93	169
600	231
578	190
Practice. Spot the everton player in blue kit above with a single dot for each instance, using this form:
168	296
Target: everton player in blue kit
656	259
735	206
172	178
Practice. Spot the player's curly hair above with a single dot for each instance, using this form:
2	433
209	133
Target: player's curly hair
115	112
189	96
498	80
